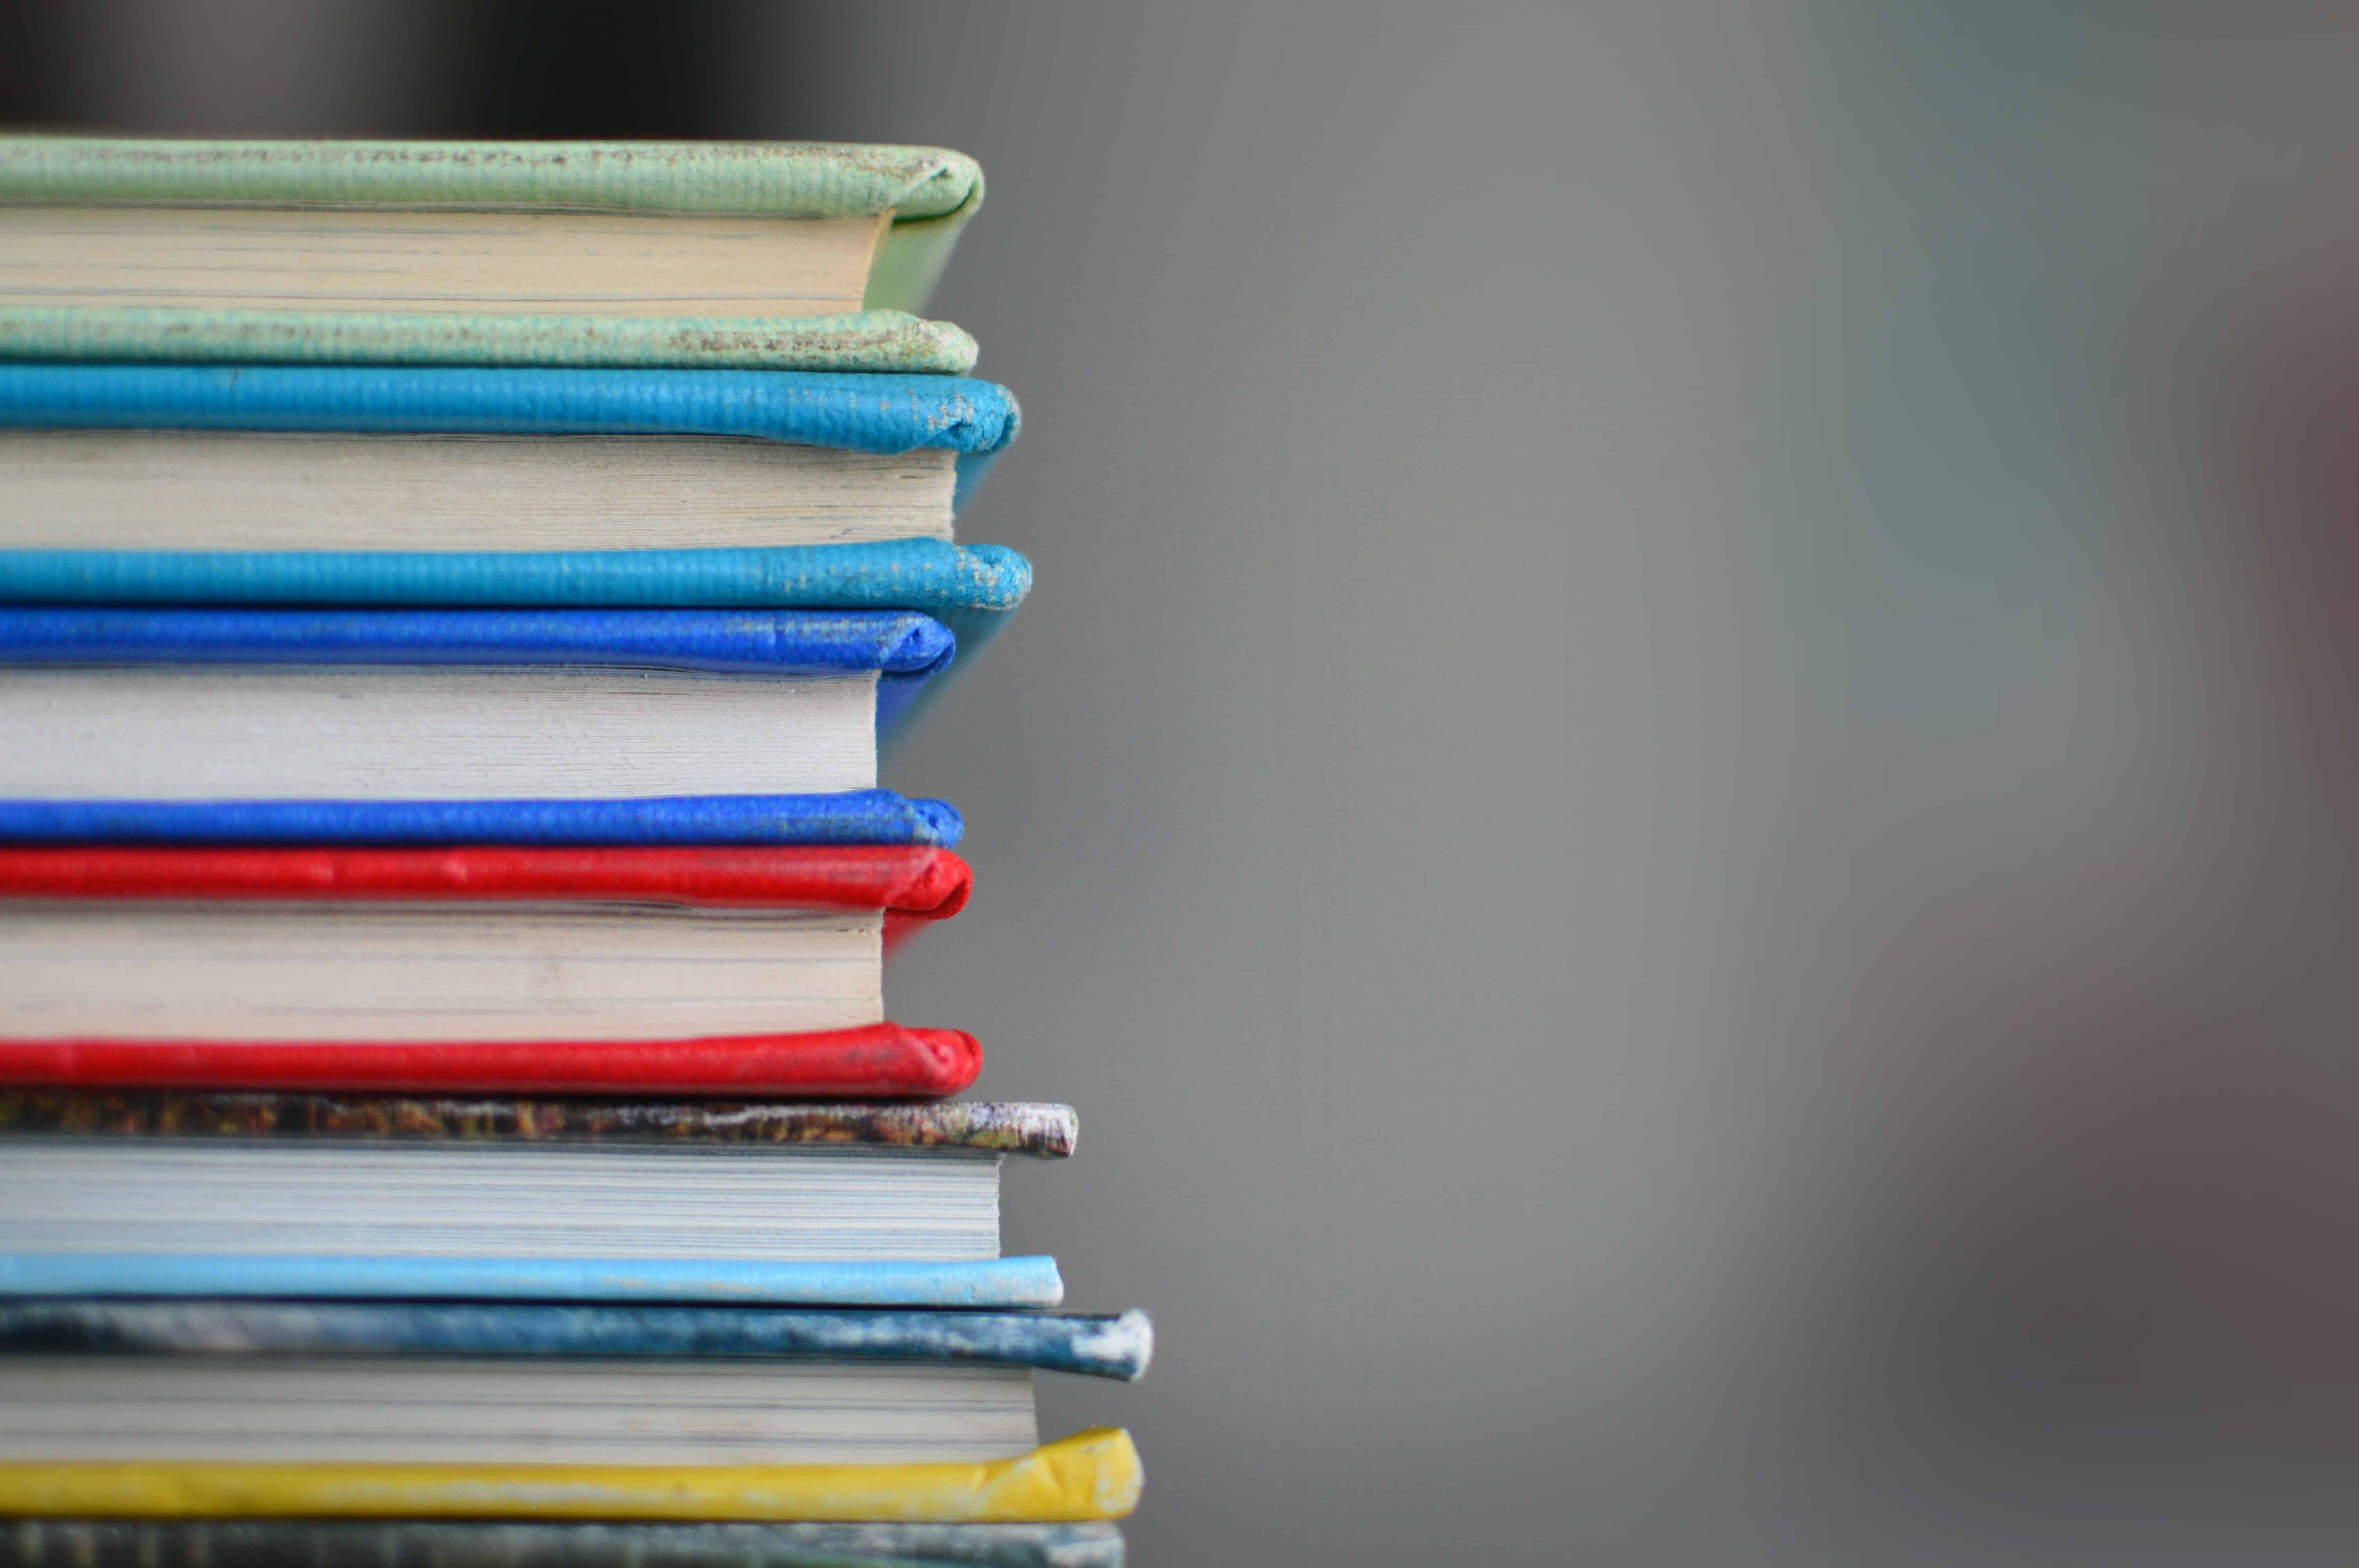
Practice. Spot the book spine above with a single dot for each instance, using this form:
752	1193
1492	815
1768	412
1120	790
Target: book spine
878	1061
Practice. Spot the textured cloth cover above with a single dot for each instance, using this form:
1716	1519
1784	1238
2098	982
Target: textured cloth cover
1021	1127
779	180
881	341
893	645
1106	1346
915	881
1092	1474
860	413
492	1543
874	1061
947	581
849	817
931	192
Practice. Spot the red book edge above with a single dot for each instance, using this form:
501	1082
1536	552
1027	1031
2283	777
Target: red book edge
877	1061
909	882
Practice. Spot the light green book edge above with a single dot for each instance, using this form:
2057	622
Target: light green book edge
931	192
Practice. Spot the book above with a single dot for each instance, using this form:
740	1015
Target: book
775	254
263	458
480	1544
438	1383
190	705
457	947
1091	1475
319	1197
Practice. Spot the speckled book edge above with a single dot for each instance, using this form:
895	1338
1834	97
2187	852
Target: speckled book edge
1096	1345
1044	1132
482	1543
779	180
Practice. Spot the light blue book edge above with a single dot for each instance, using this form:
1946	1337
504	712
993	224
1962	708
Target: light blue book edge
975	420
1009	1282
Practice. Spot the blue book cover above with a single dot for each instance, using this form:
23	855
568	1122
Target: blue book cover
1100	1344
851	817
1001	1282
903	649
973	419
970	589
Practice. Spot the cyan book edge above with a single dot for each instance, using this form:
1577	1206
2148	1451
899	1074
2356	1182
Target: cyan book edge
996	1282
932	576
886	414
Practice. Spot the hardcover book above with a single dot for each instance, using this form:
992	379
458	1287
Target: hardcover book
266	457
808	255
444	1383
105	704
315	1196
476	966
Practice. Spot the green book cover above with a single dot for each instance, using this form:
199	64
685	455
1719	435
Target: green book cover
930	192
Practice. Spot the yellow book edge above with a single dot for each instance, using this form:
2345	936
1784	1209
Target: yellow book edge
1092	1474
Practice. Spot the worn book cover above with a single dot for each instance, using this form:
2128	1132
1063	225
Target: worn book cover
456	1543
484	1543
1104	1346
1041	1131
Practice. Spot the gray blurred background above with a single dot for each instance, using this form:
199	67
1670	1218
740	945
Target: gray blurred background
1677	797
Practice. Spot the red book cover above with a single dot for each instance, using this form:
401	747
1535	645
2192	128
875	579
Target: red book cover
911	884
879	1061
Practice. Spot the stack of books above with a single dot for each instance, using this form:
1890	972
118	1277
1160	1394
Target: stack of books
450	597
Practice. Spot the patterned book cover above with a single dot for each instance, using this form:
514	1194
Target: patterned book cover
1041	1131
477	1543
1098	1345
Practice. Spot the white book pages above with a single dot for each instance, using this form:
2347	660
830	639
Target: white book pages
510	1410
195	490
349	1199
131	968
221	733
